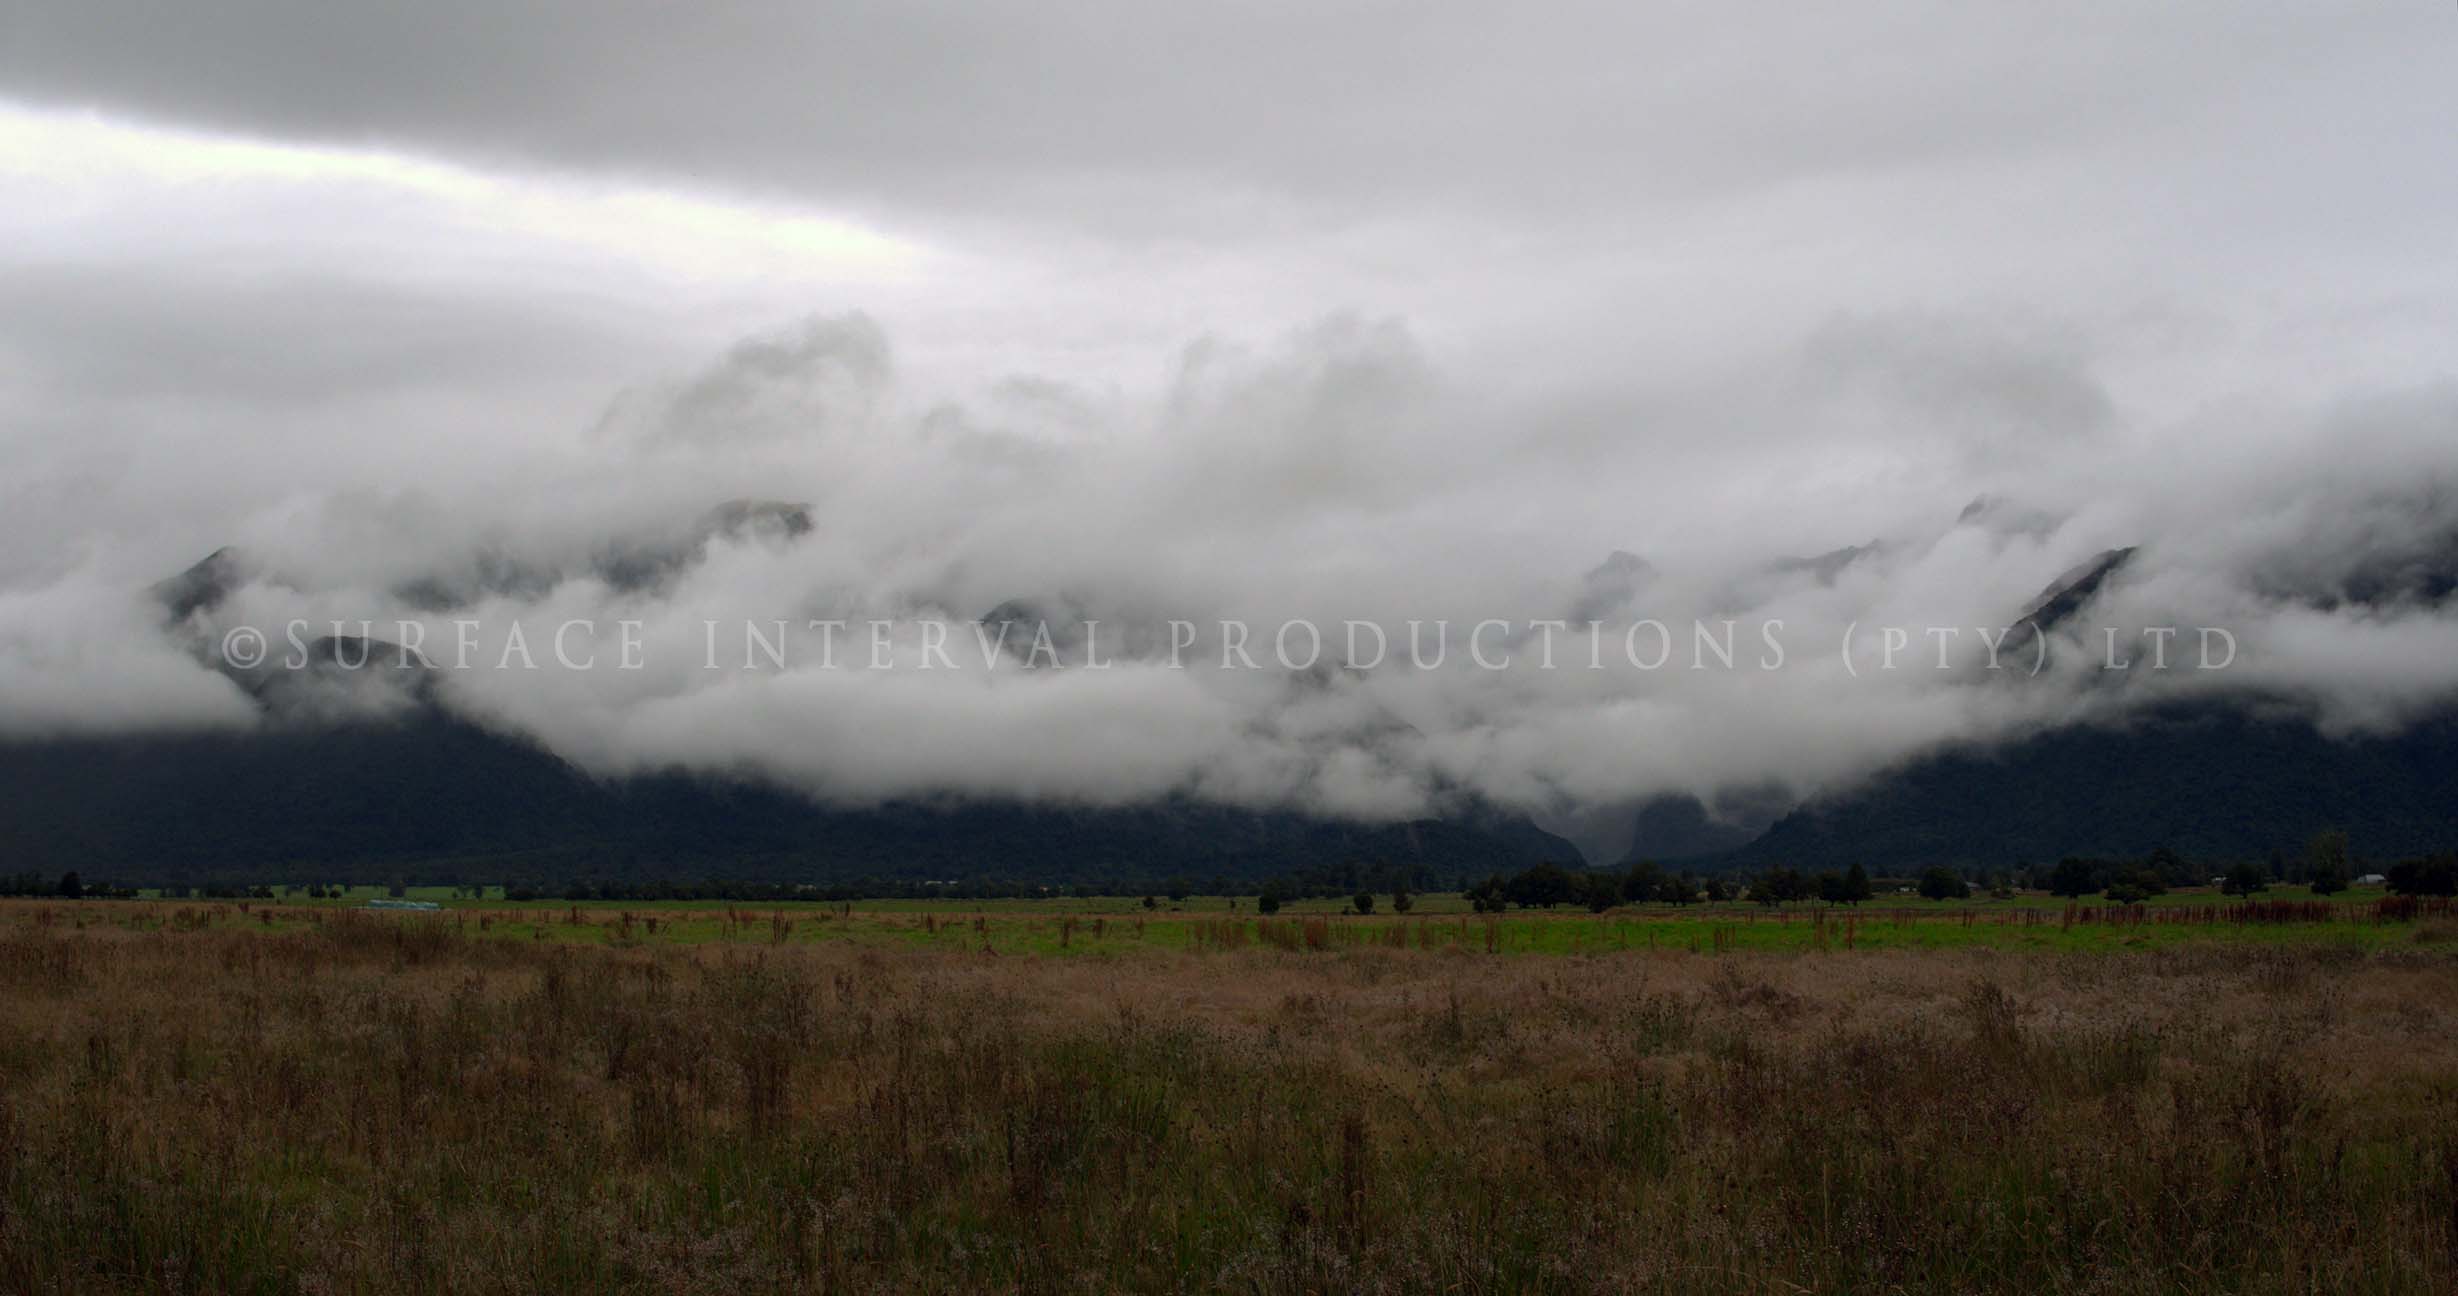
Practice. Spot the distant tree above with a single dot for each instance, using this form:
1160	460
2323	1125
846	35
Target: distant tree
1151	903
1718	890
1941	883
1539	886
1268	902
1778	886
1489	896
2073	877
2435	876
400	888
2244	880
1832	887
2326	861
2171	868
1364	901
1642	881
2127	891
1856	884
1401	901
1179	889
71	886
1600	891
1678	889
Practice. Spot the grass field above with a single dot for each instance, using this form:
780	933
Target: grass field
1114	926
1425	904
205	1097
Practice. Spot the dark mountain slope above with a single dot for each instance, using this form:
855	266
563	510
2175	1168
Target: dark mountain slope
2214	783
358	775
430	797
1677	827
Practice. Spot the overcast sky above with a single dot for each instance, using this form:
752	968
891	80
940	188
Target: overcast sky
1343	304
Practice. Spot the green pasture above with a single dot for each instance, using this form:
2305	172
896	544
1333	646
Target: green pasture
1114	927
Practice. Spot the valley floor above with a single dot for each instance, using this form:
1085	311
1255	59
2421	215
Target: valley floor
1116	926
196	1097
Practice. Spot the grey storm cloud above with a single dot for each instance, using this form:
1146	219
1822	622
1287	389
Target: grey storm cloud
1170	108
1865	315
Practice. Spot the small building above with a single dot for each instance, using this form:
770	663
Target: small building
2372	879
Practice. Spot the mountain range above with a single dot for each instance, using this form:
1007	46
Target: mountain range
333	789
359	775
2232	778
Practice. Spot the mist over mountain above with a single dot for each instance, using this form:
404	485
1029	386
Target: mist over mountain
365	758
356	771
1114	695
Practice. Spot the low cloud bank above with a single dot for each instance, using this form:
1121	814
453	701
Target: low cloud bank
1880	477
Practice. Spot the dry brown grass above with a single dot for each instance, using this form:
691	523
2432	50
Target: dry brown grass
383	1104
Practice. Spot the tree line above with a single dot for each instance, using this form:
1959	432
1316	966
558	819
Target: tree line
2325	866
